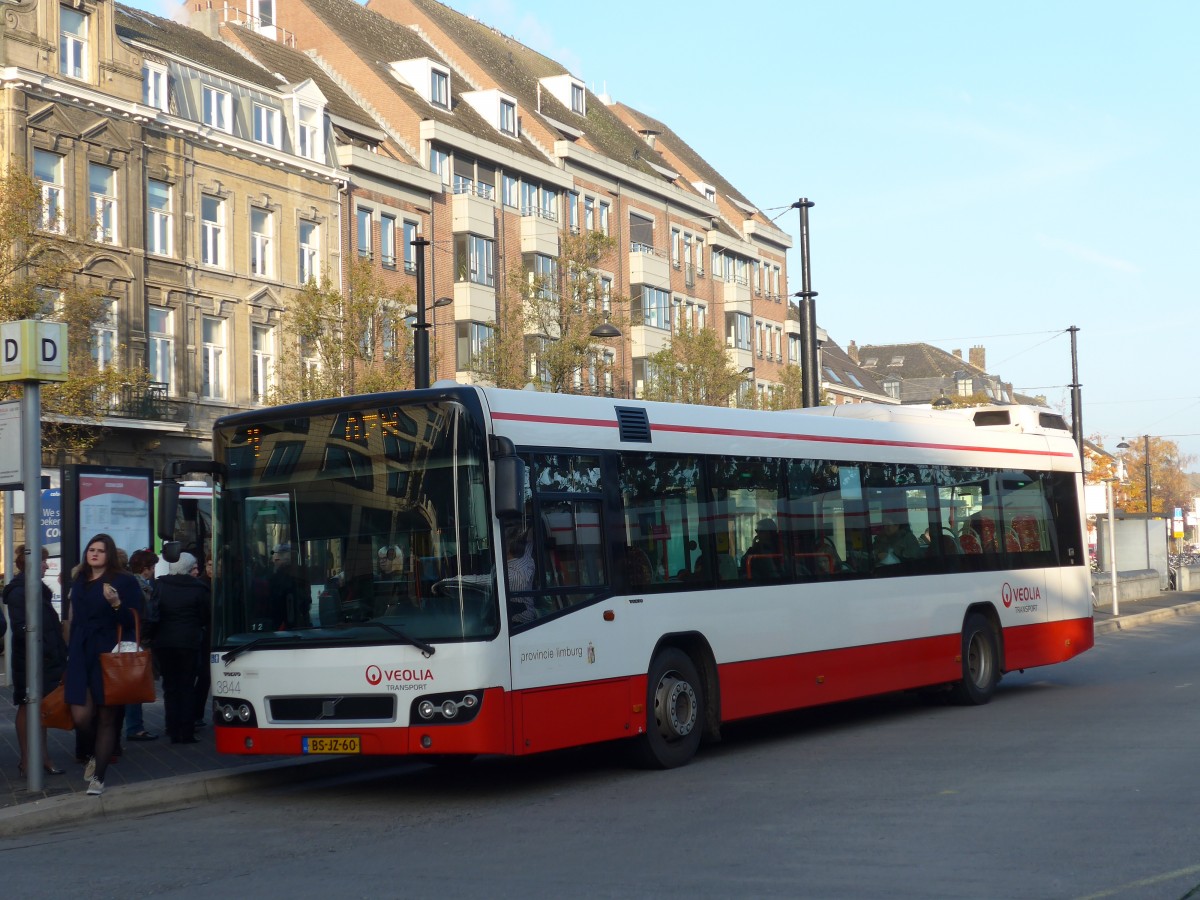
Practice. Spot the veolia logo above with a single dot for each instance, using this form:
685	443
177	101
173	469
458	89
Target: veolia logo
1010	594
374	675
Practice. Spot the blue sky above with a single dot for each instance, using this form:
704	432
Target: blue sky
984	174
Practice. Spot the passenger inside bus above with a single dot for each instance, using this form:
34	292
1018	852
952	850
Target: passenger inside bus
895	543
763	560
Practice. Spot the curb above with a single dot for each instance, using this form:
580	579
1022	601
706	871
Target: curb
1124	623
166	794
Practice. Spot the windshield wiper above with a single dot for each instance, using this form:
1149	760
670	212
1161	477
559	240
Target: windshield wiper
427	649
250	645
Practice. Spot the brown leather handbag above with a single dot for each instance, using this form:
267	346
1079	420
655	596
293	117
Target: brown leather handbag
128	674
55	711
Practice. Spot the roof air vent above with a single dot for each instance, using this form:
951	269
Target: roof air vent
634	424
992	417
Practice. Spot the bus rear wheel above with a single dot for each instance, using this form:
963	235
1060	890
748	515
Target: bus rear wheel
980	662
674	711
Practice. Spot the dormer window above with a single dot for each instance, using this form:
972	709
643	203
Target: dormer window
508	117
567	90
439	88
266	125
429	79
706	190
72	43
497	108
307	108
217	108
154	85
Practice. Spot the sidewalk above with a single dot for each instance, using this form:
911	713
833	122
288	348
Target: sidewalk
161	775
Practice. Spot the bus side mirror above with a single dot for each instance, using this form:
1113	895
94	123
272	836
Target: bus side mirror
510	487
168	509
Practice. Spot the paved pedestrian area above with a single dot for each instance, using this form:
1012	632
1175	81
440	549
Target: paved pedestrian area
140	761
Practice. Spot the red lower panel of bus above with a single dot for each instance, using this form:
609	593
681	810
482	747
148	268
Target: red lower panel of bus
1041	645
488	732
541	719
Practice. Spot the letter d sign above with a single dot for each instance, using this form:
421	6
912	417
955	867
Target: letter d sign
33	350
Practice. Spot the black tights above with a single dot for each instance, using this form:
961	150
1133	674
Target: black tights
98	726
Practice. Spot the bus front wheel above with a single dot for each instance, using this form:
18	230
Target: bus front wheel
674	711
980	662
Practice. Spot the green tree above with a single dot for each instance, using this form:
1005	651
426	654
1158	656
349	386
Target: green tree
339	343
693	368
39	278
546	317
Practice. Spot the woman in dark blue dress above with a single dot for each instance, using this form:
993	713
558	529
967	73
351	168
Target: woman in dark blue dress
102	597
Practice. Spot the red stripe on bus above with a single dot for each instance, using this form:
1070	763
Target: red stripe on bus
773	435
555	420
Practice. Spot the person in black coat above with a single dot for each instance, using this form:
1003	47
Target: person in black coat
184	608
54	652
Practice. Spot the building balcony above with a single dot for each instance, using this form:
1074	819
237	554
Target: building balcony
473	212
649	266
737	296
474	302
741	359
148	404
792	324
645	340
539	233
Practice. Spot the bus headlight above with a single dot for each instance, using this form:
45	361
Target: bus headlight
458	707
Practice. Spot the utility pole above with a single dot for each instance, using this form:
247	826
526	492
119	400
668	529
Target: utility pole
810	376
1076	396
421	328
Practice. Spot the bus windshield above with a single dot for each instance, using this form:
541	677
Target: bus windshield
364	524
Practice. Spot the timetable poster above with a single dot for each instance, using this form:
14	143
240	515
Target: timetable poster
115	504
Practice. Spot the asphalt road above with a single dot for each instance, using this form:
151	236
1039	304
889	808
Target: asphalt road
1076	781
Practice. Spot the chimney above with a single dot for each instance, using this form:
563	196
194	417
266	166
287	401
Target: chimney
957	353
205	19
852	352
978	357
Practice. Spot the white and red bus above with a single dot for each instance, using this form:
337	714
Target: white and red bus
465	570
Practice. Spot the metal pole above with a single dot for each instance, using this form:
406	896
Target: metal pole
31	463
1112	543
8	537
421	329
810	377
1149	504
1076	396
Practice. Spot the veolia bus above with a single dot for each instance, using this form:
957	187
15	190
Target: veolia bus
464	570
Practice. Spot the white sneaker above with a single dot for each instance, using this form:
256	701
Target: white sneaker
96	788
90	769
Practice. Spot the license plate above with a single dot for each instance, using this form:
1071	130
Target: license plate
331	745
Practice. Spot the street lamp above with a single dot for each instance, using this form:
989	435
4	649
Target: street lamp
1124	445
438	304
607	331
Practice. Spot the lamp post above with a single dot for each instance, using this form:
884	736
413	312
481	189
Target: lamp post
1110	483
809	376
438	304
420	327
607	331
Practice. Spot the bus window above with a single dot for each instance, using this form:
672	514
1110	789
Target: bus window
659	497
745	505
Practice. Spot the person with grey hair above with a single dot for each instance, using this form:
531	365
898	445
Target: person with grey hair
184	608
